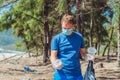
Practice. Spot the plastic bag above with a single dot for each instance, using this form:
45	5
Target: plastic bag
89	74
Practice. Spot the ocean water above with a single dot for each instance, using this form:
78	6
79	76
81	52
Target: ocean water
8	53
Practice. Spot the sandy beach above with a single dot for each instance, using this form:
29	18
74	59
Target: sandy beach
13	68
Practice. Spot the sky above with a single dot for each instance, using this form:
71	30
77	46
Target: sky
5	9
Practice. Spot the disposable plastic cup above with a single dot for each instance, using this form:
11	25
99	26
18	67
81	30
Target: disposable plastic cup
57	64
91	50
89	57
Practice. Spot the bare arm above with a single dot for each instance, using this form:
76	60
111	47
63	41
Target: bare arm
53	59
83	51
53	56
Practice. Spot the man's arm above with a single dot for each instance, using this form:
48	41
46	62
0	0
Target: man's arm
53	56
54	60
83	51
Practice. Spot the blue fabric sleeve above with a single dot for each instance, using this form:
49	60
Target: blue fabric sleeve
82	43
54	43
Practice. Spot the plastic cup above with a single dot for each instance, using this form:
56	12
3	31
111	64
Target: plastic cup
91	50
89	57
57	64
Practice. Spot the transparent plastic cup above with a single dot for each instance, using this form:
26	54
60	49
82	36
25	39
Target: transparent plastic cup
57	64
91	53
91	50
89	57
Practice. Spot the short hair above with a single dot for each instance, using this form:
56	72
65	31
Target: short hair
67	18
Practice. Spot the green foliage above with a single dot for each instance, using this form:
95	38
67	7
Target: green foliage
2	1
116	9
61	6
115	20
27	21
28	17
19	46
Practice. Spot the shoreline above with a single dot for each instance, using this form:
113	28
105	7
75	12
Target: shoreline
4	56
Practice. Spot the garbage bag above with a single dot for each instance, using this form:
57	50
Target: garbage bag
89	74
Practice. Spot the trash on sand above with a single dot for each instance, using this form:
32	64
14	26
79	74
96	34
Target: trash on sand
27	68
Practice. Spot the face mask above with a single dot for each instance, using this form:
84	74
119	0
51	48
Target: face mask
67	31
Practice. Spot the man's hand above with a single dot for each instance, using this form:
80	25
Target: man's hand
57	64
89	57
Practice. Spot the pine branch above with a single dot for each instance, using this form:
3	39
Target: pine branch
34	18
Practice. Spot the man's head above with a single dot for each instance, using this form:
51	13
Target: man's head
67	23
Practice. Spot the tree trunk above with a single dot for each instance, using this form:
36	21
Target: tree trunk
118	55
91	26
28	51
28	48
45	55
107	58
46	32
37	51
90	37
105	50
78	21
98	48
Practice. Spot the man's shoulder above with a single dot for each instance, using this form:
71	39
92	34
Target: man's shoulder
58	35
78	34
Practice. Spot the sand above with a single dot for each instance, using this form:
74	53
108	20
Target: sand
13	68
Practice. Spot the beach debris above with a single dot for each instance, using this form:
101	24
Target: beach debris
32	71
35	72
27	68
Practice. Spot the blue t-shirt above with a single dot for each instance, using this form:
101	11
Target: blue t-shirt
68	48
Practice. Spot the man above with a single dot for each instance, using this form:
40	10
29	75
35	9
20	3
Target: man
67	47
